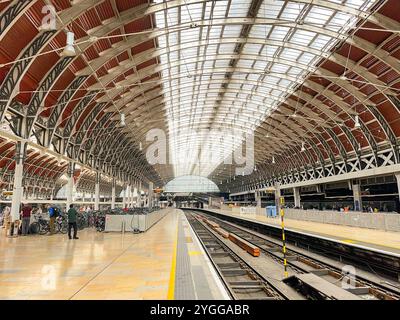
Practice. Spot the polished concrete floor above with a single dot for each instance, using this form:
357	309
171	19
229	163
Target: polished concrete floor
379	239
97	266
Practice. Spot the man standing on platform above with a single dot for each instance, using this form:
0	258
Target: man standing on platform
72	222
26	218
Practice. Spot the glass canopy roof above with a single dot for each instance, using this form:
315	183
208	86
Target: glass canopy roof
228	64
191	184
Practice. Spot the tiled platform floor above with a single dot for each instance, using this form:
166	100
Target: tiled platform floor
97	266
378	239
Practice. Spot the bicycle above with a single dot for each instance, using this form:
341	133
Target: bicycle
100	222
82	221
61	224
39	226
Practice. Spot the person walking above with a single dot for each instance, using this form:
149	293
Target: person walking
52	215
72	222
26	219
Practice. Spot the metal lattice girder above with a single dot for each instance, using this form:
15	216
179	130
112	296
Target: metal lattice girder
10	85
55	116
352	140
338	144
327	148
34	106
386	156
386	128
101	134
246	22
87	122
11	14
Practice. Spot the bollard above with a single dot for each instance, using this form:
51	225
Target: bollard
15	229
8	230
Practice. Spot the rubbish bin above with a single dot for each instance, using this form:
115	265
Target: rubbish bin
271	211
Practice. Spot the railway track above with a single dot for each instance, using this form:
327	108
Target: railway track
309	276
241	281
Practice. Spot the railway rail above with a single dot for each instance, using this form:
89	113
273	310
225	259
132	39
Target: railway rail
368	259
239	278
311	277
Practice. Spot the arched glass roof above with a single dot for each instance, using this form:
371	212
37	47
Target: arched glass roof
316	81
211	76
191	184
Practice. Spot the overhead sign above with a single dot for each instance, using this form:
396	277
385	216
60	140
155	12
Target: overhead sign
7	193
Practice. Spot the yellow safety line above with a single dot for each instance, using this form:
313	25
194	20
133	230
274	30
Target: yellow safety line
171	289
349	241
194	253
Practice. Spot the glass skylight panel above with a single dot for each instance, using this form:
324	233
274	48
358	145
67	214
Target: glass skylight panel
192	102
318	15
227	48
260	31
253	76
292	11
302	37
270	9
279	33
245	63
247	87
340	19
320	42
189	35
279	68
232	31
251	48
221	63
295	71
239	8
220	9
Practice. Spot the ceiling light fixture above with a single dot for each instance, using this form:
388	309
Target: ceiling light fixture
357	122
69	50
303	148
273	160
123	119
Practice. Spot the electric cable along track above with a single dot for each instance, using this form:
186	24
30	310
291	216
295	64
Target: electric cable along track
248	276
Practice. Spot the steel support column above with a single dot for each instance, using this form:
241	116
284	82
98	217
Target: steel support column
113	193
18	189
132	195
150	195
97	192
124	198
135	195
70	184
258	198
397	175
296	195
357	197
277	197
128	196
140	195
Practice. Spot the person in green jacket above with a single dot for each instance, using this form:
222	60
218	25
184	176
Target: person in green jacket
72	213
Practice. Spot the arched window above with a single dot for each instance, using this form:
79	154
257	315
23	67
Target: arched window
191	184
